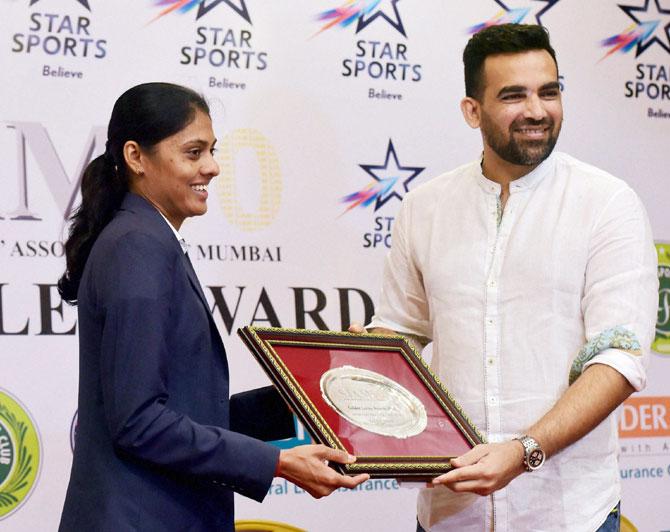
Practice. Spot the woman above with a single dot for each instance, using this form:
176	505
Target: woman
160	446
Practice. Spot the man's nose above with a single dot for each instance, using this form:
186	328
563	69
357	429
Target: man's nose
534	108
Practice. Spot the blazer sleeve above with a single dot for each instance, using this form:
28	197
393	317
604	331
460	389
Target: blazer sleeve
261	414
137	300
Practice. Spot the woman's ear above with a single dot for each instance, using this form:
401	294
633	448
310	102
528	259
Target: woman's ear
132	154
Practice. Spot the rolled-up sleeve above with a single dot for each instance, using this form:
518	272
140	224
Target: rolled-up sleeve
621	290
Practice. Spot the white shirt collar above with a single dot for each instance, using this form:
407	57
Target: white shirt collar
529	180
179	238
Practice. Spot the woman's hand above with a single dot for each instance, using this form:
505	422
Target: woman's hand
307	466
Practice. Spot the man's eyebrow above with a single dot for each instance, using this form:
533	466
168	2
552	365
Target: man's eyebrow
509	89
514	89
551	85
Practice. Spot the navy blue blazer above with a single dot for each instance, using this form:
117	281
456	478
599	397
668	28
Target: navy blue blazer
159	444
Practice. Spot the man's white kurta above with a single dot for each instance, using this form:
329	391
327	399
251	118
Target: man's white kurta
509	303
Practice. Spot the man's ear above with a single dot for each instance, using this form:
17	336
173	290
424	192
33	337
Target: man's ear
471	111
132	154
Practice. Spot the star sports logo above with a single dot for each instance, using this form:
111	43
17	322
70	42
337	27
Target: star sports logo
516	12
82	2
651	24
363	12
390	180
204	7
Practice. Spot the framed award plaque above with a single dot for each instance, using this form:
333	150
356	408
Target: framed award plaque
370	395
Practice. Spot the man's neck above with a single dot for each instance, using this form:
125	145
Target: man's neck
502	172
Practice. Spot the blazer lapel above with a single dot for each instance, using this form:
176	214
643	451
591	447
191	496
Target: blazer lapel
193	278
152	218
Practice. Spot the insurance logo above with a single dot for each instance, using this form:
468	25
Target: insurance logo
645	417
644	431
19	454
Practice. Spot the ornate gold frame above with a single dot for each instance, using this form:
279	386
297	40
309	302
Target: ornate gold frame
261	342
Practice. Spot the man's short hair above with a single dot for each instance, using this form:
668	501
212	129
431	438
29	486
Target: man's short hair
500	39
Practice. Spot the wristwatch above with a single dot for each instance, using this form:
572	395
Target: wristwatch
533	455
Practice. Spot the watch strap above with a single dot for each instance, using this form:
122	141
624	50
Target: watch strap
533	455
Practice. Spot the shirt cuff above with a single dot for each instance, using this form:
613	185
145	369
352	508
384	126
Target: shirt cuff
630	366
618	338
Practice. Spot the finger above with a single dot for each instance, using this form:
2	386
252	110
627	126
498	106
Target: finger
335	455
459	475
445	478
470	486
473	456
356	328
450	476
352	482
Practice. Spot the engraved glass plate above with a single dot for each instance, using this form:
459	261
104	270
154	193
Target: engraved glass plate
373	402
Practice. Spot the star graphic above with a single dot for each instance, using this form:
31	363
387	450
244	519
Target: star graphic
378	11
82	2
536	8
184	6
661	33
239	7
391	180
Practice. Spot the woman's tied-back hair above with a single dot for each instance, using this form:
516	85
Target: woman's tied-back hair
146	114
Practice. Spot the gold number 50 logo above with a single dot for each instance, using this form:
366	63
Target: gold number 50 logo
269	180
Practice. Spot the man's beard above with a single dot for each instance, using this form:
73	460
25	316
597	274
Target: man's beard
525	152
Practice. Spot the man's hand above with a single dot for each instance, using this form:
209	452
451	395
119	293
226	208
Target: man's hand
307	466
357	328
485	468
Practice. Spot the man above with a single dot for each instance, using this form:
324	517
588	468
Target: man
534	275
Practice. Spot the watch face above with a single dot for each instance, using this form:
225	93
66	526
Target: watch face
535	459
